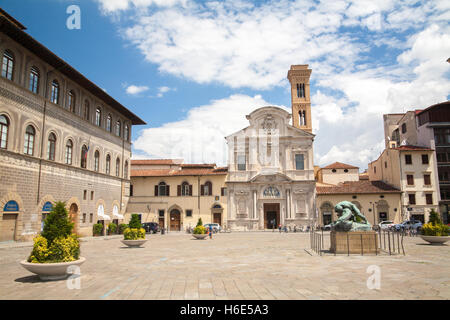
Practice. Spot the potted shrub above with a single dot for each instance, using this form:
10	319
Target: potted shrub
97	229
112	228
122	227
134	235
199	231
56	249
435	232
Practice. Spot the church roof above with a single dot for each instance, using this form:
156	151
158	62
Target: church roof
340	165
358	187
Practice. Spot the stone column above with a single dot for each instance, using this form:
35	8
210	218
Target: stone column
255	213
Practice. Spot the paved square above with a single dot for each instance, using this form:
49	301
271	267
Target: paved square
259	265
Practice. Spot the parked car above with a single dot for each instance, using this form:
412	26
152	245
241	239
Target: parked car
385	225
151	227
215	226
407	225
326	227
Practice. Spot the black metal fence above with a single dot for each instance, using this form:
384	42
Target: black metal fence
389	242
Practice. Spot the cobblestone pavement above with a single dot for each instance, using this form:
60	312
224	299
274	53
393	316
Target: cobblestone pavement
257	265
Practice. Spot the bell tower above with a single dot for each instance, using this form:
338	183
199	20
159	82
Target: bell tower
299	76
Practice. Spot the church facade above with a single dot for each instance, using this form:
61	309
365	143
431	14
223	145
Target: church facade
270	179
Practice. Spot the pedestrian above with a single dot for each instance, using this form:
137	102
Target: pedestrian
210	231
279	227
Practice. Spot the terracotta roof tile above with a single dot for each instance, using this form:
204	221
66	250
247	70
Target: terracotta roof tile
182	172
358	187
156	161
340	165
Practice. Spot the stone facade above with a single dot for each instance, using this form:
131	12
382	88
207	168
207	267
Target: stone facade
34	169
270	173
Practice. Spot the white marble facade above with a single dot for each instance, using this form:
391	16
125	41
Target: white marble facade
270	173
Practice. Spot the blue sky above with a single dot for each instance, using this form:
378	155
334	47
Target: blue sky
193	69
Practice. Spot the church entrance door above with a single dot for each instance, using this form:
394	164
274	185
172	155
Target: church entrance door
271	215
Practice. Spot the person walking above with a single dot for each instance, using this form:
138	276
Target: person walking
210	231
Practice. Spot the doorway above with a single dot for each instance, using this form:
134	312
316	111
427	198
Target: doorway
8	227
217	218
175	220
271	215
73	216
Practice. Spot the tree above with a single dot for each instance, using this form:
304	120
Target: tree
57	224
200	222
434	218
135	222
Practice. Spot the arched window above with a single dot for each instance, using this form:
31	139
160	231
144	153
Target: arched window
84	154
69	149
34	79
185	189
28	146
108	164
125	170
118	128
108	123
8	65
86	113
55	92
71	101
127	133
98	117
117	167
51	145
4	126
207	189
163	189
96	161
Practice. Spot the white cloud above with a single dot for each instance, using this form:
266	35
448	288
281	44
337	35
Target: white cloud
200	137
163	90
110	6
134	90
239	44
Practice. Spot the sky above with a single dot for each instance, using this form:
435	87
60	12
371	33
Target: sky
193	69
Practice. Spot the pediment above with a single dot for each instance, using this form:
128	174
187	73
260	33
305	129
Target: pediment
270	178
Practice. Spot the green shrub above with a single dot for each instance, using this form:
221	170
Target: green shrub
122	227
135	222
57	223
112	228
56	242
61	250
434	218
97	229
134	234
199	230
200	222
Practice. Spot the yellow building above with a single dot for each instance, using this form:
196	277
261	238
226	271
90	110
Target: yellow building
176	195
377	200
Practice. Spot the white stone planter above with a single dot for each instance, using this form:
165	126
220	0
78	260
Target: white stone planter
436	239
199	236
51	271
134	243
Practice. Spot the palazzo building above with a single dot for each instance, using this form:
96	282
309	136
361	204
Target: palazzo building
62	138
271	171
176	195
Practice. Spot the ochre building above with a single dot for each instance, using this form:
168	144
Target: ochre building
176	195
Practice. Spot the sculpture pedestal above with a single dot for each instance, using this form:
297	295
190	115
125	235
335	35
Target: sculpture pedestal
360	242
